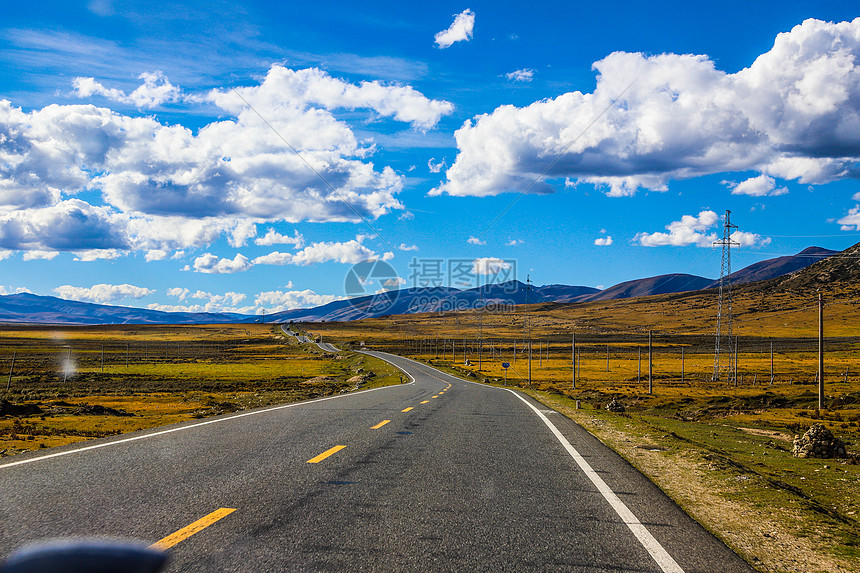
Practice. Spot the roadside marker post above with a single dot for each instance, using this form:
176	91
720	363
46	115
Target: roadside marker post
506	365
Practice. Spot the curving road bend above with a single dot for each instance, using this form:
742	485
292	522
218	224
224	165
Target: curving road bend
437	474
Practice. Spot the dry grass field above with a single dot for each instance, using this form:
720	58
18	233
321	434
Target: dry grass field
73	384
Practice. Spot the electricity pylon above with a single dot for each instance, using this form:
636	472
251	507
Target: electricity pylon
725	296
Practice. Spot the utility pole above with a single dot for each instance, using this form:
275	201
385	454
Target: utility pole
820	352
736	361
481	326
682	365
725	293
528	325
639	371
771	362
650	365
607	358
573	357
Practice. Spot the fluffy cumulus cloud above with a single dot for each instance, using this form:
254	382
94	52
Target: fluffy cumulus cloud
155	91
759	186
460	30
102	293
603	241
523	75
696	230
211	264
277	301
65	226
793	114
489	266
272	237
476	241
164	188
851	220
202	301
349	252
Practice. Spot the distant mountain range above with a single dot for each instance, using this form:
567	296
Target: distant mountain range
30	308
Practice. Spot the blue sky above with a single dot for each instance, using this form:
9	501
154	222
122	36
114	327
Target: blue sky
206	156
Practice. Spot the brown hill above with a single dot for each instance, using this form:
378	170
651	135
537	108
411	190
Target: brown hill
837	275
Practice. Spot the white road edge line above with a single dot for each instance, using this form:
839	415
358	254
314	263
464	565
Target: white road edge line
651	545
660	555
191	426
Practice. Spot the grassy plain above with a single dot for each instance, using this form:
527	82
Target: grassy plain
73	384
721	449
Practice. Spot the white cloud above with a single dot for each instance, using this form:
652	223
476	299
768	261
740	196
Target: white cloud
349	252
167	187
405	247
692	230
460	30
98	254
476	241
746	239
65	226
851	221
523	75
155	255
489	266
213	303
393	283
790	115
272	237
436	167
274	258
759	186
689	230
155	91
180	293
209	263
603	241
514	242
285	88
5	254
40	255
277	301
102	293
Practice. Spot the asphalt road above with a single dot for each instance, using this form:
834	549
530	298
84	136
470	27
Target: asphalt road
324	346
435	475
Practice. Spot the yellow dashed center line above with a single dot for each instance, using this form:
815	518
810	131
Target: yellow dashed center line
325	454
379	425
434	396
190	530
407	409
425	401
